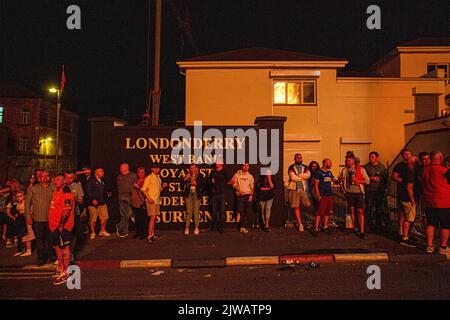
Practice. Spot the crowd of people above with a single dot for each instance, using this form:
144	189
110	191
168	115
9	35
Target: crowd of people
48	211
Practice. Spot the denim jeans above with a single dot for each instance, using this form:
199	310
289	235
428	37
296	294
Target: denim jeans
192	208
218	206
266	208
245	208
125	215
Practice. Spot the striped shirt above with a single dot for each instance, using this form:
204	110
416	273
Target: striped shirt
37	204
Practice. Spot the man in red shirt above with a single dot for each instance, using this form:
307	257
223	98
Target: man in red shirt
436	195
61	222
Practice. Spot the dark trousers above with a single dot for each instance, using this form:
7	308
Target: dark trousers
43	241
218	206
245	208
141	221
376	212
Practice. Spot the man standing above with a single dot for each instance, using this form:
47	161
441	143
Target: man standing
404	176
324	191
297	186
37	207
96	199
376	193
152	190
220	181
436	195
354	177
125	183
244	184
61	223
193	191
78	196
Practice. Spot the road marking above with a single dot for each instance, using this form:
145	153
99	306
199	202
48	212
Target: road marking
25	273
23	278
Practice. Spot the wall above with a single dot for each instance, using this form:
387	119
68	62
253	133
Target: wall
227	96
356	110
112	145
415	64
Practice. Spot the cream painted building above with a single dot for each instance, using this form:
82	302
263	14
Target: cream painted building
328	111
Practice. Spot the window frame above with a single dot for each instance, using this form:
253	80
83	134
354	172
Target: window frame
23	144
296	81
25	114
437	64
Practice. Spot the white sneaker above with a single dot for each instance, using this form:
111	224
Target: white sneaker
196	231
92	236
445	251
104	234
186	231
243	230
301	228
429	249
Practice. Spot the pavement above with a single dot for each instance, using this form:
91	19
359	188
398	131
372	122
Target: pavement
251	283
211	249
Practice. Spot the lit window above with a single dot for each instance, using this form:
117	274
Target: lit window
279	93
294	92
1	115
25	117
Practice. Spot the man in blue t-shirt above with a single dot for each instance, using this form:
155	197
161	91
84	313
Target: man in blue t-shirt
324	191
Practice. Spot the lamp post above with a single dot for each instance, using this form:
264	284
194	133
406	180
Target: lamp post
58	107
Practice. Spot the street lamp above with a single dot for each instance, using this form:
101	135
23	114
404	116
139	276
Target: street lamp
58	107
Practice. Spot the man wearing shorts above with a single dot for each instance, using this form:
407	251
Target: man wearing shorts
152	190
324	191
404	174
97	207
399	173
61	222
436	195
354	177
297	186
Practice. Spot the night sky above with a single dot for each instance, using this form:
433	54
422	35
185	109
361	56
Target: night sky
105	61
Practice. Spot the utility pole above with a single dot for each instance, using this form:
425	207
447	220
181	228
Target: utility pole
156	94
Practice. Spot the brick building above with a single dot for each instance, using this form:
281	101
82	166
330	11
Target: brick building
28	124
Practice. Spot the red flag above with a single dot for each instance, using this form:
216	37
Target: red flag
63	79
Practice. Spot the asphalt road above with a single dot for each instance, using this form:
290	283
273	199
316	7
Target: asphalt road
337	281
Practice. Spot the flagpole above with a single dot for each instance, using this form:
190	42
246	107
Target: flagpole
58	108
58	117
156	87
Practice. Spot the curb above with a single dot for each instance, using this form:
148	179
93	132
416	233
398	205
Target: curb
252	261
419	258
156	263
307	258
361	257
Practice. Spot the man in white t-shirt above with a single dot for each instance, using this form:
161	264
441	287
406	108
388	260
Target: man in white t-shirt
244	184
